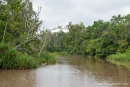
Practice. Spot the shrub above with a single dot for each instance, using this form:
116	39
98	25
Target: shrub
64	53
49	57
8	56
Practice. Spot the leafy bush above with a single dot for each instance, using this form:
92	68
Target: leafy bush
24	61
49	57
64	53
10	58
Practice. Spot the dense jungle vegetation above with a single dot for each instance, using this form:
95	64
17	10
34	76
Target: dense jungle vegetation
103	39
21	47
24	45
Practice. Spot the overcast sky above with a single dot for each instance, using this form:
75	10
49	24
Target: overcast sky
61	12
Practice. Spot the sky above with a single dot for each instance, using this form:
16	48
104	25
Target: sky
60	12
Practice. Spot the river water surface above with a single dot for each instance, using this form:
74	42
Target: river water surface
69	72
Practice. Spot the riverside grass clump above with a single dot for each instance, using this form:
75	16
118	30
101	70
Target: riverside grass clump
120	56
64	53
10	58
49	57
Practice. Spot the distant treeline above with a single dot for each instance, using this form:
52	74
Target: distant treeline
98	40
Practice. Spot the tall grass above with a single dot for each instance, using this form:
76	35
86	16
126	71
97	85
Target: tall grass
49	57
65	53
120	59
10	58
120	56
24	61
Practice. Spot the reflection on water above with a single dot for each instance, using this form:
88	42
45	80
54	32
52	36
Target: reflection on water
116	76
62	76
17	78
69	72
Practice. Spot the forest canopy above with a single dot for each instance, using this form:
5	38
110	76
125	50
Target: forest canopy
101	39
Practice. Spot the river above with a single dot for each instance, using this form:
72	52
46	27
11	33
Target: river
73	71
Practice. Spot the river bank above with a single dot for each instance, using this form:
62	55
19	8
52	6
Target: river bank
119	59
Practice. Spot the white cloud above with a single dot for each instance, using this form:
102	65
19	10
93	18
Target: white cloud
61	12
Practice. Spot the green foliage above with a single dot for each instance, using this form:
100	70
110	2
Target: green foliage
98	40
21	25
10	58
64	53
123	44
26	62
120	56
49	57
45	54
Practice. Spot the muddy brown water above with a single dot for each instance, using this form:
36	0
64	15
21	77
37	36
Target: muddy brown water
69	72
